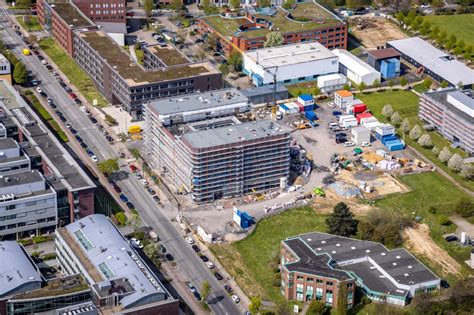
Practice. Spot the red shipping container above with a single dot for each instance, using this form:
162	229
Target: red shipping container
363	115
301	107
359	108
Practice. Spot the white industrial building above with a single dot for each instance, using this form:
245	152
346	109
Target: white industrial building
331	82
291	63
355	69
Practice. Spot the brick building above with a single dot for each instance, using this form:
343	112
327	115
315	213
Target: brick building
112	11
307	22
320	266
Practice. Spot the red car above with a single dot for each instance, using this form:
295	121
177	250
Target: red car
73	96
117	189
133	168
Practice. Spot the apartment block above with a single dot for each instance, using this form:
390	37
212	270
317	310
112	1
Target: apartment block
306	22
451	112
320	266
207	147
120	280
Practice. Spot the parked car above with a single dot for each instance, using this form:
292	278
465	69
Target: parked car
204	258
228	288
130	205
72	95
331	104
136	243
336	113
341	135
451	238
151	191
209	264
189	240
73	131
340	140
218	276
365	144
83	145
78	101
62	118
191	287
123	197
197	296
39	89
349	144
78	138
144	182
156	198
162	249
93	120
196	248
117	188
94	159
169	257
235	298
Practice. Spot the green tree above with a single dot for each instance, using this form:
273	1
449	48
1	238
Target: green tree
264	3
20	74
396	119
444	84
317	308
387	110
107	167
341	221
177	5
442	37
376	83
403	81
255	303
341	308
365	230
274	39
362	87
405	126
391	83
235	4
346	87
224	68
235	60
288	4
415	132
148	7
205	290
427	83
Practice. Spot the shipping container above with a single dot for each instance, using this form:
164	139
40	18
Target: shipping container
349	122
344	117
306	99
359	108
311	115
395	145
360	134
309	107
368	120
388	138
362	116
371	124
384	130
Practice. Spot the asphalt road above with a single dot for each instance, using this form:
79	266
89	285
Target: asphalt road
188	263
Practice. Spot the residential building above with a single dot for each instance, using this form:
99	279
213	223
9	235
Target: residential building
355	69
207	151
5	69
307	22
23	289
386	61
289	64
434	62
159	57
451	113
120	280
318	265
73	187
124	82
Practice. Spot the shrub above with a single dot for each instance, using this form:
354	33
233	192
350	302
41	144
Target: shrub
49	256
365	300
443	220
444	155
455	163
415	132
277	283
121	218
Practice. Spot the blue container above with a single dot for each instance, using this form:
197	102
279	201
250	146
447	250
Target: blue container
284	107
309	107
389	138
311	115
394	145
380	137
390	68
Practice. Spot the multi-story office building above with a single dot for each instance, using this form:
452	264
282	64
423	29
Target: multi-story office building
451	112
39	150
318	265
111	11
121	282
23	290
307	22
207	151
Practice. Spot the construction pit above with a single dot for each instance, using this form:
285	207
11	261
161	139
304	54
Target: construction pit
373	32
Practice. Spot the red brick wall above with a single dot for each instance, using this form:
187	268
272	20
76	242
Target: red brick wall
103	10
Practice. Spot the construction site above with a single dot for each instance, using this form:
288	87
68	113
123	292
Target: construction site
374	32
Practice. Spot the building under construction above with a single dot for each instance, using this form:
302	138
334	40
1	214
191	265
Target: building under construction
209	146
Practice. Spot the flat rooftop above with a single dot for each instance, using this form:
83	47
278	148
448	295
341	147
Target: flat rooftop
305	17
169	55
108	256
466	102
70	14
352	62
130	70
289	54
20	179
8	143
16	269
233	134
384	53
56	287
196	101
434	59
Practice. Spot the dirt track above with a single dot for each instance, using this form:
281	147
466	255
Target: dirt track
419	241
377	32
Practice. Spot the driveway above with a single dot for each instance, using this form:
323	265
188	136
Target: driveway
463	226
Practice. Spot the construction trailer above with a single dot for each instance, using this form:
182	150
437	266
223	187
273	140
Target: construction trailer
360	134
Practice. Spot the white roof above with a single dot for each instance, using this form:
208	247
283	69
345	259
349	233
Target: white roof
435	60
353	63
289	54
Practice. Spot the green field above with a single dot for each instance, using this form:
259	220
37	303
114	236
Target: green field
252	261
74	73
460	25
406	103
31	24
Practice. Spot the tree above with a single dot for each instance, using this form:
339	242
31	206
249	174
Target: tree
20	74
150	250
255	303
365	230
425	141
288	4
437	3
387	110
224	68
264	3
403	81
444	84
444	155
317	308
442	37
205	290
415	132
235	4
427	83
274	39
346	87
435	150
391	83
467	171
455	163
362	87
396	118
376	83
177	5
341	308
235	60
405	126
341	221
108	167
148	7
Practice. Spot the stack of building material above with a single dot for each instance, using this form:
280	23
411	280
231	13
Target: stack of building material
342	98
360	134
347	121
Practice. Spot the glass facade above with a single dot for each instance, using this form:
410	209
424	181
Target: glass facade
34	306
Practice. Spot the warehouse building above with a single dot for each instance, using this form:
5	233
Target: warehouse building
386	60
249	32
316	265
355	69
331	82
206	145
266	94
291	63
120	280
451	112
433	62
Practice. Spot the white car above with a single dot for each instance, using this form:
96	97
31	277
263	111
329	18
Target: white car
68	126
331	104
189	240
39	89
349	144
94	158
138	175
210	265
83	108
144	182
365	144
49	100
235	298
44	62
136	243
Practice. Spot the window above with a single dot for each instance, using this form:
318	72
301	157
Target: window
319	281
319	293
329	297
349	285
309	280
299	278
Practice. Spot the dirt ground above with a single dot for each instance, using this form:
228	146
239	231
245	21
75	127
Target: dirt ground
326	205
377	32
418	240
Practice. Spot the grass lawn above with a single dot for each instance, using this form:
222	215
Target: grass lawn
460	25
406	103
31	24
139	54
252	261
302	88
72	70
